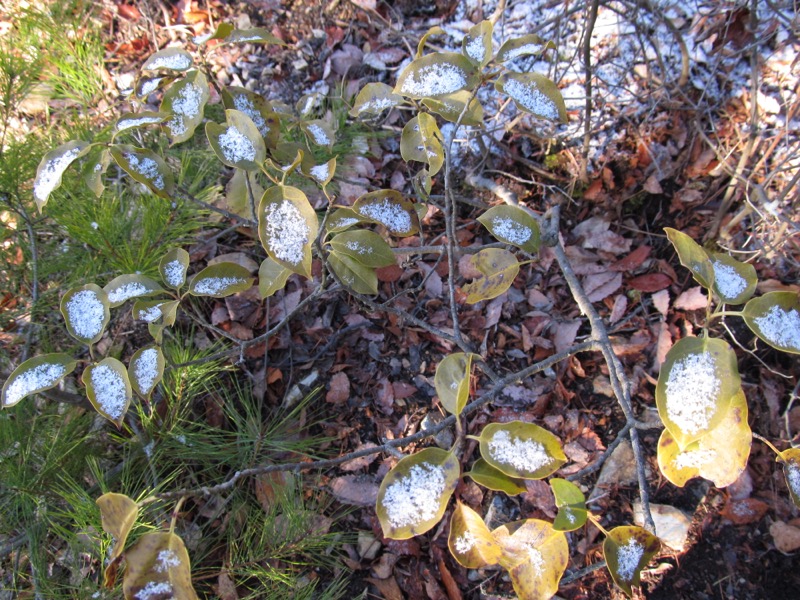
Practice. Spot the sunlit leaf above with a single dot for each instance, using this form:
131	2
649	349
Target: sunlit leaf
526	45
498	267
692	256
146	369
157	567
108	389
697	381
571	503
627	551
477	44
271	277
512	225
238	143
413	496
146	167
791	472
734	281
452	381
470	541
220	280
184	102
534	93
373	99
342	219
436	75
390	209
451	106
775	318
86	313
358	277
435	30
52	167
323	173
137	120
118	513
486	475
124	287
365	247
287	227
319	132
171	59
521	449
255	35
94	170
36	375
173	267
257	108
221	32
422	141
719	456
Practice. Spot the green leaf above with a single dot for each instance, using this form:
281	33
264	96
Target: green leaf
146	167
85	311
52	167
108	389
512	225
358	277
437	74
150	311
571	503
319	132
237	198
451	106
373	99
147	85
239	143
146	369
627	551
498	268
470	541
221	280
137	120
185	102
697	381
422	141
477	44
734	281
534	93
36	375
323	173
287	227
692	256
521	449
390	209
123	288
94	169
365	247
118	513
342	219
171	59
719	456
255	35
413	496
486	475
452	381
173	267
791	472
258	109
271	277
775	318
523	46
158	567
221	32
422	183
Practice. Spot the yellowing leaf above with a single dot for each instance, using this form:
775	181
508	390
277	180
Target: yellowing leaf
184	102
486	475
220	280
118	513
692	256
470	541
365	247
158	567
146	167
436	75
52	167
450	107
521	449
373	99
413	496
287	227
271	277
86	313
173	267
36	375
534	93
171	59
571	503
775	318
498	267
627	551
239	143
477	44
323	173
734	281
124	287
146	369
390	209
452	381
512	225
108	389
421	141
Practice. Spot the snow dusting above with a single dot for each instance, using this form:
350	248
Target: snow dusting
781	327
86	314
166	560
320	172
212	286
434	80
694	459
523	455
287	231
130	123
464	543
150	315
127	291
176	62
529	96
174	273
728	281
536	560
185	105
792	470
691	392
49	177
235	146
523	50
146	167
145	369
376	105
415	497
37	378
475	49
510	230
357	247
149	86
319	135
392	216
154	590
244	104
109	391
628	557
343	222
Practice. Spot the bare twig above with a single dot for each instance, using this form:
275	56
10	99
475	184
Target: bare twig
591	18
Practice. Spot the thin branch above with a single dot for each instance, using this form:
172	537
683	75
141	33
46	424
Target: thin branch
591	18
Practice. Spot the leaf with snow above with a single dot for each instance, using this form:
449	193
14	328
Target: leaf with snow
94	169
355	275
271	277
534	93
258	109
498	269
221	280
451	107
373	99
342	219
775	318
36	375
477	44
413	496
365	247
173	267
157	566
184	103
171	59
86	312
319	133
692	256
146	85
696	384
526	45
118	513
124	287
435	30
137	120
719	456
145	370
486	475
470	541
521	449
512	225
452	381
791	472
734	281
287	227
627	551
571	503
146	167
255	35
390	209
421	140
238	143
108	389
437	74
322	174
52	167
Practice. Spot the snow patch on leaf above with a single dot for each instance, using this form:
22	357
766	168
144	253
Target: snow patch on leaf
780	327
211	286
50	176
392	216
529	96
126	292
415	498
628	557
434	80
235	146
510	230
109	391
146	167
174	273
288	232
691	392
145	369
523	455
728	280
86	314
42	376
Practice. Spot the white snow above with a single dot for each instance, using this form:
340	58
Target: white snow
132	122
235	146
357	247
434	80
536	560
728	281
319	135
186	105
523	455
174	273
510	230
146	167
792	470
50	176
166	560
465	542
392	216
216	285
145	369
154	590
529	96
694	458
376	105
287	231
150	315
320	172
127	291
781	327
149	86
244	104
86	314
523	50
37	378
343	222
628	557
415	497
176	62
691	392
475	49
109	391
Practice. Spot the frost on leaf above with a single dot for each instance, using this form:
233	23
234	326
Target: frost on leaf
108	389
52	167
221	280
435	75
523	46
477	44
237	144
522	455
173	268
136	120
521	449
373	99
185	101
791	472
627	551
534	93
146	167
146	369
390	209
513	225
125	287
158	568
173	59
779	324
319	132
36	375
287	226
85	311
734	281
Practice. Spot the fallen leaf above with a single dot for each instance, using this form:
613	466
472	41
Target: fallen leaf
661	302
564	334
633	261
619	308
339	390
268	487
601	285
745	511
596	234
226	588
785	536
692	299
358	490
388	588
362	462
651	282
